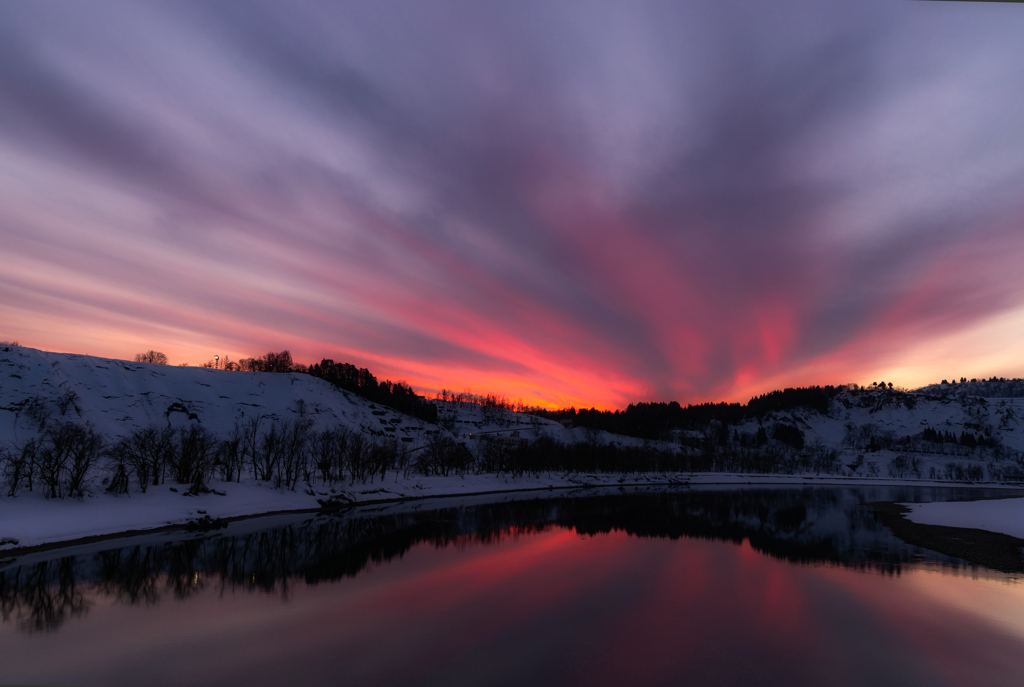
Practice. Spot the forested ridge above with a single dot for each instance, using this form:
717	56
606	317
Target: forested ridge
656	420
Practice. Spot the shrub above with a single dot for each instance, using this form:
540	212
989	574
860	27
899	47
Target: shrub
154	357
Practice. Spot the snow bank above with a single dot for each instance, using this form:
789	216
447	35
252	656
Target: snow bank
32	520
995	515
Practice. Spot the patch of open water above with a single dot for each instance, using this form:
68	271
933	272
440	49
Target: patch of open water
670	586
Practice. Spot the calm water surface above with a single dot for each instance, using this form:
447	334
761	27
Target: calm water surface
751	587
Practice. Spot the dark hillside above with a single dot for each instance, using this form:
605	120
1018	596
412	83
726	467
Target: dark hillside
657	420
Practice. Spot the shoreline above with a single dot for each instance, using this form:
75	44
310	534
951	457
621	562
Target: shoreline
993	550
47	524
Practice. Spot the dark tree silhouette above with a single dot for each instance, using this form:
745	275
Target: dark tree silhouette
360	381
154	357
271	362
66	453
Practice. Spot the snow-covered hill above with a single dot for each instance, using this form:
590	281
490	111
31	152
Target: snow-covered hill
908	414
116	397
41	391
995	387
879	425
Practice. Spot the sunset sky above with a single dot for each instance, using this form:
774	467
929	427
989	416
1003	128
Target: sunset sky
587	203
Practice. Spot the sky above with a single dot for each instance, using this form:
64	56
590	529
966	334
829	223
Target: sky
570	203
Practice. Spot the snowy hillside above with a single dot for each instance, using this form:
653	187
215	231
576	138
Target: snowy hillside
877	426
995	387
900	414
92	446
116	397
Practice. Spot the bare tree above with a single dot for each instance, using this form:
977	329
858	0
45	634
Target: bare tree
383	456
442	456
54	456
249	447
231	456
18	465
118	475
192	460
145	453
355	453
84	452
328	450
154	357
65	456
267	456
294	453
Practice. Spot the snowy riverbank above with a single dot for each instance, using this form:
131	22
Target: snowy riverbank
31	520
1005	516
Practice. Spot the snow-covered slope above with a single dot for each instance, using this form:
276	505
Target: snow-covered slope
996	387
903	414
879	425
116	397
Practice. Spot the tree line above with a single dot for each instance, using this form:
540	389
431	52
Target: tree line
872	438
653	421
993	387
656	421
360	381
357	380
67	459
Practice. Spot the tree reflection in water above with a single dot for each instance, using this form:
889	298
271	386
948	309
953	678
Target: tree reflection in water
829	526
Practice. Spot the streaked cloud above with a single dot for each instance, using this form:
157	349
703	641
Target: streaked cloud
568	202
